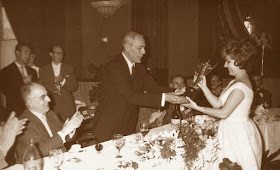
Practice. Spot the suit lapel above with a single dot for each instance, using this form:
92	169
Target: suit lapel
51	122
17	72
125	67
38	122
61	69
50	70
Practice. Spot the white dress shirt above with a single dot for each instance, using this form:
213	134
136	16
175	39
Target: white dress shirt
130	65
43	119
56	71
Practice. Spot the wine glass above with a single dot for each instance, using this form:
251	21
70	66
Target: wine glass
98	147
137	137
144	129
119	142
56	157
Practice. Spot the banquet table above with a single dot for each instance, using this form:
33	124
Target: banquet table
269	128
89	158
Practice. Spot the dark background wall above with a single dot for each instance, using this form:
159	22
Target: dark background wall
179	33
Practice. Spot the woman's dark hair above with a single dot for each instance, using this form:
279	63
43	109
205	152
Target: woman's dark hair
243	53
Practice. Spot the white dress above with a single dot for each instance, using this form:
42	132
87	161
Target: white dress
239	138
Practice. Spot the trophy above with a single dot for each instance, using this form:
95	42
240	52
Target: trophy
202	70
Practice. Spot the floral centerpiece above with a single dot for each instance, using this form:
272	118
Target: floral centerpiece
192	147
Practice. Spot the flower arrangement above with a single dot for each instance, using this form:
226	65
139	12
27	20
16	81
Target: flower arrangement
200	142
195	145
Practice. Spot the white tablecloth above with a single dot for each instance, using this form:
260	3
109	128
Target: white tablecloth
270	131
92	160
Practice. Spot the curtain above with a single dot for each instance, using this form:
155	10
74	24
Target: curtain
45	22
149	17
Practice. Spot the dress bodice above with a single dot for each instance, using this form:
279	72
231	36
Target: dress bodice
242	111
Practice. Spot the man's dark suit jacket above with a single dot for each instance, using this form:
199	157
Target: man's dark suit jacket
36	130
11	81
262	96
64	104
122	94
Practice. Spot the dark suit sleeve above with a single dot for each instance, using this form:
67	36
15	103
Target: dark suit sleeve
123	86
71	81
46	79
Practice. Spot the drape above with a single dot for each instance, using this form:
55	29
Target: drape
149	17
45	22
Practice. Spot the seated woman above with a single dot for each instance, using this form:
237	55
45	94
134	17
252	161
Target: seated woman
8	133
238	135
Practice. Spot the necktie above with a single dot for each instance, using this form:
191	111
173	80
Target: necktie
22	70
133	71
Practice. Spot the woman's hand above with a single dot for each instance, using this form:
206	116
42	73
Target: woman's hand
191	104
202	83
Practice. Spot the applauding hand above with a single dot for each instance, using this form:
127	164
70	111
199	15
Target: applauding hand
72	124
11	129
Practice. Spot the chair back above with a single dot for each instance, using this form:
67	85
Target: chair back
85	136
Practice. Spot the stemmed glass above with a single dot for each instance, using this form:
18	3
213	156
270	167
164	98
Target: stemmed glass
119	142
56	157
144	129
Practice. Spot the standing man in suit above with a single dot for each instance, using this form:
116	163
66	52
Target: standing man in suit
14	76
43	124
60	80
125	80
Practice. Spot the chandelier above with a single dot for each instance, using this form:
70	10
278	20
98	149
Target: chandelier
106	7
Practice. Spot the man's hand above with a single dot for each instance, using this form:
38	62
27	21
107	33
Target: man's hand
58	79
27	79
190	104
173	97
156	115
72	124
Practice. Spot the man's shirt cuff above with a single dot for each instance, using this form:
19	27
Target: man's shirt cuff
63	82
163	100
62	136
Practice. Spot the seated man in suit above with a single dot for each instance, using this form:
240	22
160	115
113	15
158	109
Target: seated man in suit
261	96
43	126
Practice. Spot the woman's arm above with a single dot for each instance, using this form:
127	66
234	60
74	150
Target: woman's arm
234	99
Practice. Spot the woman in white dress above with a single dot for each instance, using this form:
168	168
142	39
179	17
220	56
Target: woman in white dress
238	135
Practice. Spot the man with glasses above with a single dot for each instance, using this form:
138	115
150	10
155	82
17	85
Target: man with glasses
14	76
43	124
60	81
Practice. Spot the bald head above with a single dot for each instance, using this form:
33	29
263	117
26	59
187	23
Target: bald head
35	97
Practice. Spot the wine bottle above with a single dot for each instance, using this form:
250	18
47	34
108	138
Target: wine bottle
176	118
31	158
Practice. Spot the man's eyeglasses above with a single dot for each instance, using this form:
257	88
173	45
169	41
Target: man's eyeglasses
60	53
176	83
42	97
